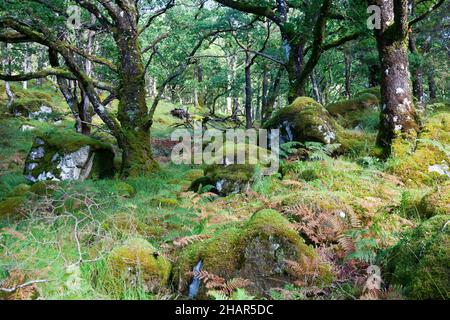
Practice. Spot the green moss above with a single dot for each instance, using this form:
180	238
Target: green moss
436	202
193	174
362	102
309	120
42	188
68	142
125	190
411	158
420	262
126	225
11	206
373	91
57	142
20	190
164	202
198	184
255	250
138	262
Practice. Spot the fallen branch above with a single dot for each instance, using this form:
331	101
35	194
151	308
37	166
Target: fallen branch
26	284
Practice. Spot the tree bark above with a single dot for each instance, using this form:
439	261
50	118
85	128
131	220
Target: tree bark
432	91
7	63
417	72
348	74
248	92
134	139
398	115
272	95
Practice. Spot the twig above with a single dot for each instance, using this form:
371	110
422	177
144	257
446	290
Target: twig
26	284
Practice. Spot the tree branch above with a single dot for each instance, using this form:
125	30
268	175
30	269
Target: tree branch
156	14
426	14
265	11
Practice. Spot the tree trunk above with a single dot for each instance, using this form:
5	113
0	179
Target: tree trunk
272	95
295	71
26	66
348	74
431	85
398	114
316	89
134	138
7	63
248	92
84	107
417	72
374	75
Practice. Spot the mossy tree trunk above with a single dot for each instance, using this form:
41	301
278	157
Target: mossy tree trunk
398	115
134	136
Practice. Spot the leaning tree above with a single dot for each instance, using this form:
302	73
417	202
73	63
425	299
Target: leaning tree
125	23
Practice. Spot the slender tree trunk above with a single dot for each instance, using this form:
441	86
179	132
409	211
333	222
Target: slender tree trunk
348	74
431	85
248	92
199	100
374	75
231	79
316	89
417	72
26	65
273	95
65	88
398	114
7	63
85	110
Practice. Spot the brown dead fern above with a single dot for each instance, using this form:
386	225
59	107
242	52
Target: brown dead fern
216	283
183	242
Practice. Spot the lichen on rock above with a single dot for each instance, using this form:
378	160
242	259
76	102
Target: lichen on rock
257	250
305	120
61	156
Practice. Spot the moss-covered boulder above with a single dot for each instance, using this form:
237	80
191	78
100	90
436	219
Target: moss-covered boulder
228	178
305	120
11	206
424	160
19	190
34	108
420	262
437	202
139	264
259	250
361	102
361	112
58	155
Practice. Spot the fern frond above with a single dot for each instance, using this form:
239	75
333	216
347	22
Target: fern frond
182	242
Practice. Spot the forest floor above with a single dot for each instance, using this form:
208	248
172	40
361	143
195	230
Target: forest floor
64	233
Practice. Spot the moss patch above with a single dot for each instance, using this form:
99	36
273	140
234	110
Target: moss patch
421	261
138	262
437	202
412	158
305	120
362	102
255	250
11	206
